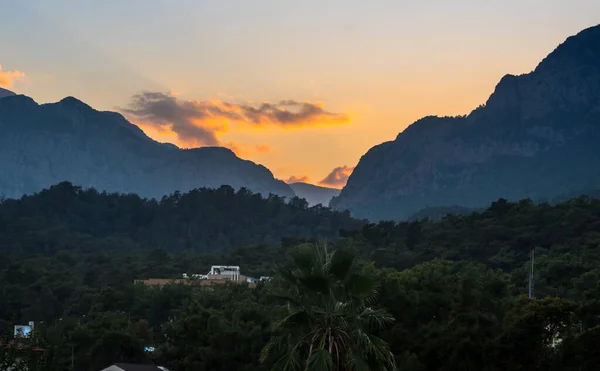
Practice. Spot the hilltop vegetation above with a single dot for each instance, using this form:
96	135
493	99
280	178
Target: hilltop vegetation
455	287
67	217
565	236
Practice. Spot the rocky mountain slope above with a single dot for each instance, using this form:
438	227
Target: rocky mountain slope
314	194
42	145
537	136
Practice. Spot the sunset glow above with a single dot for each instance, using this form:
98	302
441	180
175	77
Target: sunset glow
304	93
7	78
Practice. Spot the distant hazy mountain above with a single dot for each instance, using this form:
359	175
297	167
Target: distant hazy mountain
41	145
538	136
314	194
6	93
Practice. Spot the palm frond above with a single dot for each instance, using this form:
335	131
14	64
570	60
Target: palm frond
375	349
330	298
341	263
377	318
287	275
304	259
361	286
296	320
355	361
275	345
288	362
320	360
316	283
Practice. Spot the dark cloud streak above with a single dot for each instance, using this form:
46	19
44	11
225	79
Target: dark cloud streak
165	111
199	120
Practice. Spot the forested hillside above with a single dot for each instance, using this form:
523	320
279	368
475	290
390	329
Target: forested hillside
565	236
455	288
67	217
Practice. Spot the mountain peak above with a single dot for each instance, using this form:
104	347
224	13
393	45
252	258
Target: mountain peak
71	141
74	102
220	151
536	137
568	78
582	49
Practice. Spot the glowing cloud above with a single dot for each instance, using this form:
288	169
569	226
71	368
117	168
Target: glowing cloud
262	148
7	78
201	122
245	149
296	179
338	177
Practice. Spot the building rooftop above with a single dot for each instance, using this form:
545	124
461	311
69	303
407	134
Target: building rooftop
218	275
133	367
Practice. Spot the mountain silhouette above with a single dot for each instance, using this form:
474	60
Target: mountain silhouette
6	93
42	145
537	136
314	194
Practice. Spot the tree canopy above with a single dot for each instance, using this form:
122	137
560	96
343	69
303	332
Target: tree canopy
455	288
204	220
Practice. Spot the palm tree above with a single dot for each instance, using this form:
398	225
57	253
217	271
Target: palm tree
330	318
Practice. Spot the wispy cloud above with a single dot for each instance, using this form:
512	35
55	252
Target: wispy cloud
338	177
7	78
165	112
298	178
201	122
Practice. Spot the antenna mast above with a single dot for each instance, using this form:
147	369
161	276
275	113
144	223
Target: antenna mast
531	285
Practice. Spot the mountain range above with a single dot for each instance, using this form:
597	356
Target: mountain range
45	144
537	137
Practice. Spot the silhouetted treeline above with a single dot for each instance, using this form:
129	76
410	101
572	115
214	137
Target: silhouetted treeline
66	217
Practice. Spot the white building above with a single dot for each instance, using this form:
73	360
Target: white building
230	272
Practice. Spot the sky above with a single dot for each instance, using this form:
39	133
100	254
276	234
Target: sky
302	87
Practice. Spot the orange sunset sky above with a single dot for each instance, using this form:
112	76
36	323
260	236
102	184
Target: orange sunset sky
304	88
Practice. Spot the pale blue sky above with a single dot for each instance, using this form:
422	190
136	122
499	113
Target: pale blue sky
385	63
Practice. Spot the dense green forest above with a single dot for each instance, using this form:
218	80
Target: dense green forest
436	295
203	220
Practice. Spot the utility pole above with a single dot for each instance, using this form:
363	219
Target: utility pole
531	285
